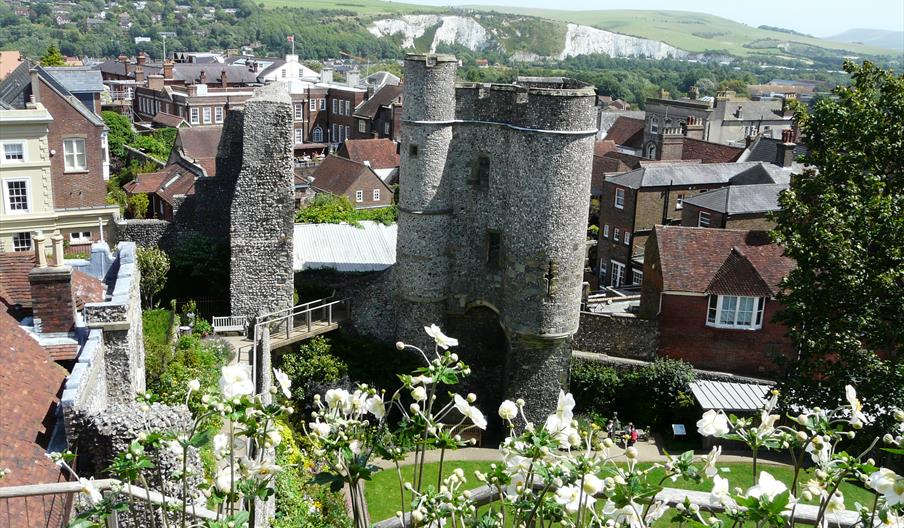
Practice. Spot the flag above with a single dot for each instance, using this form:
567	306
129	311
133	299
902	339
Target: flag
290	38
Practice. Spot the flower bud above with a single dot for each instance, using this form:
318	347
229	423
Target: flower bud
400	345
806	495
899	415
631	452
802	436
888	439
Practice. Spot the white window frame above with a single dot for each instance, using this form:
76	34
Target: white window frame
335	106
700	219
334	137
312	105
359	196
362	126
206	115
636	277
386	128
347	130
627	238
73	166
80	237
299	111
22	248
348	108
194	115
617	278
606	231
723	307
376	195
23	148
7	198
616	234
218	114
619	198
679	200
299	135
317	135
323	104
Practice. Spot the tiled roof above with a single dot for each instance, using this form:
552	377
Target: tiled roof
708	152
664	174
148	182
336	175
87	289
199	142
692	257
386	95
169	120
172	181
191	73
600	148
738	276
627	131
116	67
765	149
380	153
30	383
740	199
17	84
78	79
14	285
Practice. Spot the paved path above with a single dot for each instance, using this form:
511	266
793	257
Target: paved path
646	452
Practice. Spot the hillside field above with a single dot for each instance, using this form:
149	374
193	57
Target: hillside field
361	7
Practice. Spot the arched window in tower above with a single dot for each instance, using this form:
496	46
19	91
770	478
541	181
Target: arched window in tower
651	151
317	135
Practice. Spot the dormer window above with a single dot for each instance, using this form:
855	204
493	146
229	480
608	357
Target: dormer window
732	311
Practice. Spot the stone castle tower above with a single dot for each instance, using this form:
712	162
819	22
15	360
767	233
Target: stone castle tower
493	207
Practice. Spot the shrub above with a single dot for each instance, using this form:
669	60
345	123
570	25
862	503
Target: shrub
312	364
331	209
650	392
594	386
202	327
154	265
138	205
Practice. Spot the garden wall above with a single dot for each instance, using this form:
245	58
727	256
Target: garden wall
619	334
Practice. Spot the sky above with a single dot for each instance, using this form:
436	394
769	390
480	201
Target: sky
820	18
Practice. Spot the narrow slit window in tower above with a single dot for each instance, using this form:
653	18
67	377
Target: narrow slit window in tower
412	150
494	250
480	172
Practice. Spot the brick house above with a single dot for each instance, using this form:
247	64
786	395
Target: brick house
358	182
381	155
55	161
633	202
713	293
380	116
734	207
165	188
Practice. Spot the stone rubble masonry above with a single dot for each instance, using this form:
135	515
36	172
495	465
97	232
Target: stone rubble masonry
622	335
538	138
262	219
123	334
85	391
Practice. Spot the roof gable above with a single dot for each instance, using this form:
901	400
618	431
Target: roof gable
198	143
385	96
738	276
336	175
379	153
626	131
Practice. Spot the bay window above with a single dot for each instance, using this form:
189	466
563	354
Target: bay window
732	311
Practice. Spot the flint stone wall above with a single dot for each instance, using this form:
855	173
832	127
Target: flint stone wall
621	335
262	222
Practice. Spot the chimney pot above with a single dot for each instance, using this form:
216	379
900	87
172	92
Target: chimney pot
168	69
58	259
40	254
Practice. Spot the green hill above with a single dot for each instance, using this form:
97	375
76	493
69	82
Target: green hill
697	32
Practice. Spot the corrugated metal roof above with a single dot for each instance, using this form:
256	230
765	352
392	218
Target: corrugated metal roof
728	396
343	247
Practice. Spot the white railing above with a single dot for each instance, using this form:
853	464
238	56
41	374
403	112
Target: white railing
229	323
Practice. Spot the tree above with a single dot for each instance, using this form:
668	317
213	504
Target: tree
138	205
53	57
843	224
154	265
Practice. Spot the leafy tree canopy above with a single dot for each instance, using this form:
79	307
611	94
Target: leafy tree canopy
53	57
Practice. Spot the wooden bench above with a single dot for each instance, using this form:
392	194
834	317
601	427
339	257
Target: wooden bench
229	323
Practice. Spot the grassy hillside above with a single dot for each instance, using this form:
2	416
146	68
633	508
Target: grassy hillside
687	30
883	38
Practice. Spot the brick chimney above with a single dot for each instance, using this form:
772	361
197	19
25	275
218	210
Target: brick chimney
202	78
784	151
125	62
670	144
155	82
167	69
53	301
141	58
224	80
694	128
139	74
786	104
721	98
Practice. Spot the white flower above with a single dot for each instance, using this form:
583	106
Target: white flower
419	393
319	429
471	412
889	484
220	443
561	419
264	470
442	340
656	511
376	407
194	385
224	479
719	493
336	398
284	382
713	423
572	499
274	438
508	410
93	495
820	451
767	423
767	487
836	503
857	416
629	515
235	380
592	484
710	467
421	380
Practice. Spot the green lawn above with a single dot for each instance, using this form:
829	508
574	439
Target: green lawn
383	491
